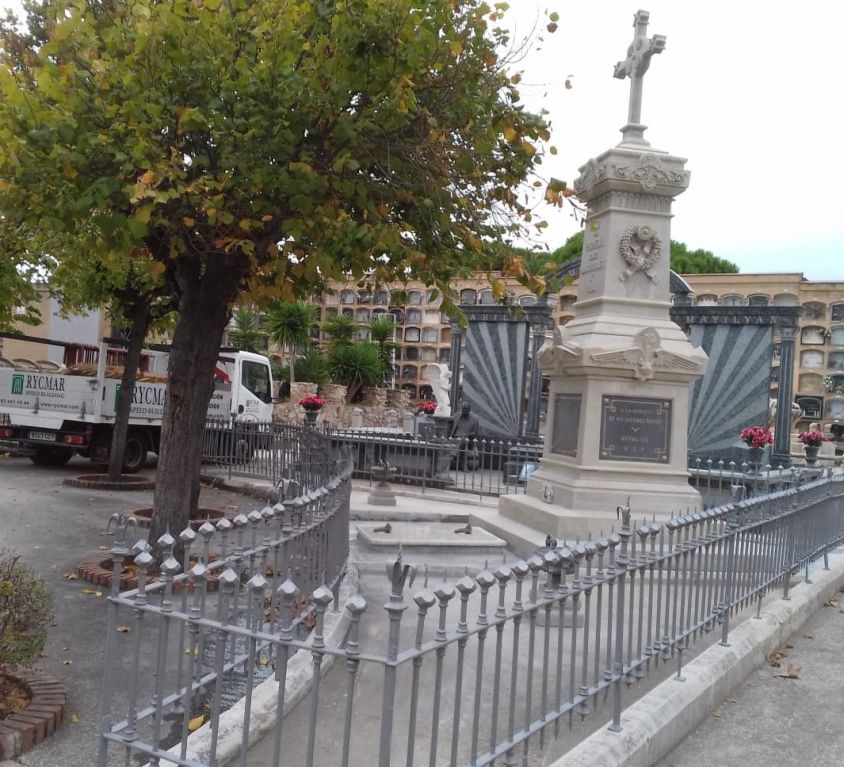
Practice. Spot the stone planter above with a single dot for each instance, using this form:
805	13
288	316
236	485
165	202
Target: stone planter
311	417
811	453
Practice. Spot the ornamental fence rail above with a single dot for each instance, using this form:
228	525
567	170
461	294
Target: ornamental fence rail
492	668
180	661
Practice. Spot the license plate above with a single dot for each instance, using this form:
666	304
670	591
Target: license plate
43	436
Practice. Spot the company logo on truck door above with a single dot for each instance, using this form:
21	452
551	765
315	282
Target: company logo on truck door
17	384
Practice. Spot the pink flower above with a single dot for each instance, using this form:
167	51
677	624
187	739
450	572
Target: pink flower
756	436
312	402
428	407
812	438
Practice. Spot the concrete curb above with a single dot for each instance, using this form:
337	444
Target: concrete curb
262	717
654	725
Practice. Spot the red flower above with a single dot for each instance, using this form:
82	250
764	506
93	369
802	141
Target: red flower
812	438
312	402
756	436
428	407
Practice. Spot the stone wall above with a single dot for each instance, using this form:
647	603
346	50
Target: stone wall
380	407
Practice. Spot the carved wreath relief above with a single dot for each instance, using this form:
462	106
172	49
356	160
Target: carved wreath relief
641	248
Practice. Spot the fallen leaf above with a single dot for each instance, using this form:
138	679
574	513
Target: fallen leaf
808	636
832	602
196	723
123	629
74	719
792	672
716	714
731	700
67	662
71	576
94	592
775	657
36	547
103	548
195	651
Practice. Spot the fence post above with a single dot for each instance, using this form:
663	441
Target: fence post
621	563
398	573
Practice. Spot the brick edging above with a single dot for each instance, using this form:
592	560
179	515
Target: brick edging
101	482
92	571
40	719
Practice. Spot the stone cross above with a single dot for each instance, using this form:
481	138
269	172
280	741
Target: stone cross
634	66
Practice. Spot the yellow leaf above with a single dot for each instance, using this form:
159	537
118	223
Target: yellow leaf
528	147
67	662
196	723
93	592
456	47
188	221
266	218
71	576
74	719
509	133
147	178
143	213
245	224
123	629
157	267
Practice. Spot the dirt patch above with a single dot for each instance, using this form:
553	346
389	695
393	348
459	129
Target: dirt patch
14	696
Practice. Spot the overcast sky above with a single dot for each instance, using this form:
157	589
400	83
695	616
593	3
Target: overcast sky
748	90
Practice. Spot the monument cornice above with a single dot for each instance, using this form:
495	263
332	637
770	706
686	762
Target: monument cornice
624	170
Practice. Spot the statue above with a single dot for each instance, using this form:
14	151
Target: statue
796	413
439	376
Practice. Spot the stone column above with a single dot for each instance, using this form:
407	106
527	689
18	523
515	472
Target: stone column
454	362
781	454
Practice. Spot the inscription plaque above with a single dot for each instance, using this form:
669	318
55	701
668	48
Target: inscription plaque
566	424
635	429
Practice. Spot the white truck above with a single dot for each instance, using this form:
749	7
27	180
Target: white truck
52	412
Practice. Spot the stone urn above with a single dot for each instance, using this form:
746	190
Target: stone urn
811	453
755	455
311	416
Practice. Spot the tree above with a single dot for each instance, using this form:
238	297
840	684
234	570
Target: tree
247	333
382	332
685	261
289	324
256	148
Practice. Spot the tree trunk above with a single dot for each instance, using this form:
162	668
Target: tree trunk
292	360
140	321
204	310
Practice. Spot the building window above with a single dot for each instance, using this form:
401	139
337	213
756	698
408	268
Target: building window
732	299
410	389
414	315
364	297
362	315
812	407
347	297
812	336
836	360
836	336
814	310
426	392
433	296
775	376
445	356
398	316
810	383
362	334
485	298
411	353
567	303
412	334
348	312
707	299
836	313
786	299
414	297
409	372
777	351
445	336
811	359
429	355
468	297
760	299
432	316
429	335
382	298
527	300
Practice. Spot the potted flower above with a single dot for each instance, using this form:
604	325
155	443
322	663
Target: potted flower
756	438
811	444
312	403
428	407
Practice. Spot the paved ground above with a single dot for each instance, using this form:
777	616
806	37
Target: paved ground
54	527
775	722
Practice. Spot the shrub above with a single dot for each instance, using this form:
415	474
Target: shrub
25	611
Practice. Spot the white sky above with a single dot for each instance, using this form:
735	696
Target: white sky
748	90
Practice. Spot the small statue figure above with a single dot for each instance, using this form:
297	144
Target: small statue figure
439	376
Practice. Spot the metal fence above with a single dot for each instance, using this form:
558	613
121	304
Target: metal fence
283	451
485	670
202	628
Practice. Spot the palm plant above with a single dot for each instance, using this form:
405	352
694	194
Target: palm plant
355	365
382	333
340	328
289	324
247	333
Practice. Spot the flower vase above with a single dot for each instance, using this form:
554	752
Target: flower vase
755	456
811	453
311	417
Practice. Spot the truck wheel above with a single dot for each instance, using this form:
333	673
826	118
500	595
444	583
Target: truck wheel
51	456
135	453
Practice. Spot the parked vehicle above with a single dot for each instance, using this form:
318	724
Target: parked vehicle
54	411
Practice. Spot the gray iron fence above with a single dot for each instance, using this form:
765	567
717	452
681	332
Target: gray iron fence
485	670
199	628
